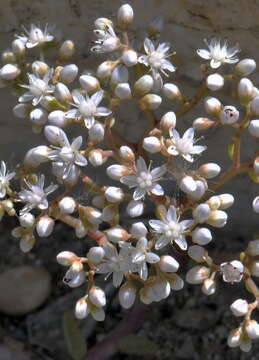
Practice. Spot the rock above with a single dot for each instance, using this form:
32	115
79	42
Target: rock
23	289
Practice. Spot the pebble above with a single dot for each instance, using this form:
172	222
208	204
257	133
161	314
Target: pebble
23	289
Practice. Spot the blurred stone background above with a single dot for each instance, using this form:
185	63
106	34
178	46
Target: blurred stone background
187	23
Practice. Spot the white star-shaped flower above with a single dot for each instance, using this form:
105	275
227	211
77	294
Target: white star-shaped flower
35	36
219	54
5	177
171	229
87	108
145	180
184	146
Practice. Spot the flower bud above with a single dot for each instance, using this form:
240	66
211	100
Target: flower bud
234	338
68	73
201	236
115	172
245	67
138	230
129	57
67	205
27	220
215	82
256	165
201	188
96	132
66	258
81	309
152	144
22	110
214	202
253	248
226	200
229	115
58	118
201	124
125	15
209	170
36	156
171	92
62	93
39	68
97	296
252	329
116	234
127	295
135	208
120	75
102	23
18	47
80	230
55	135
26	243
114	194
254	106
197	253
143	85
209	287
188	184
176	283
168	264
168	121
212	106
245	90
67	49
45	226
201	213
95	254
255	268
253	128
39	116
89	83
8	56
217	218
93	215
197	274
126	153
123	91
239	307
9	72
95	157
105	69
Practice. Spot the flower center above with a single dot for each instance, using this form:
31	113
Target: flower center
144	180
87	108
184	145
155	59
67	154
38	88
172	230
36	35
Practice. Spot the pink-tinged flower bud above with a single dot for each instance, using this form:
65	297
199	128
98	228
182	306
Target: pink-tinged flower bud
229	115
253	248
39	116
67	205
201	188
188	184
96	132
239	307
201	124
234	338
127	295
129	57
18	47
201	236
80	230
45	226
117	234
93	215
126	153
168	121
39	68
67	49
58	118
97	296
217	218
215	82
37	156
27	220
168	264
209	170
125	15
123	91
114	194
96	157
55	135
89	83
138	230
171	92
152	144
253	128
252	329
212	106
232	271
22	111
135	208
62	93
81	309
226	200
201	213
254	106
143	85
95	254
255	268
68	73
197	253
197	274
105	69
245	67
245	90
115	172
209	287
66	258
9	72
214	202
120	75
256	165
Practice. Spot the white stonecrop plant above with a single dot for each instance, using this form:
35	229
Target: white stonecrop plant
138	258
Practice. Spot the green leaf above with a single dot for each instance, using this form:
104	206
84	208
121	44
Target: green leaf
231	149
137	345
75	342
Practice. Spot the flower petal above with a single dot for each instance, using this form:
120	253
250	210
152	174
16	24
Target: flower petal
171	214
148	46
203	53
